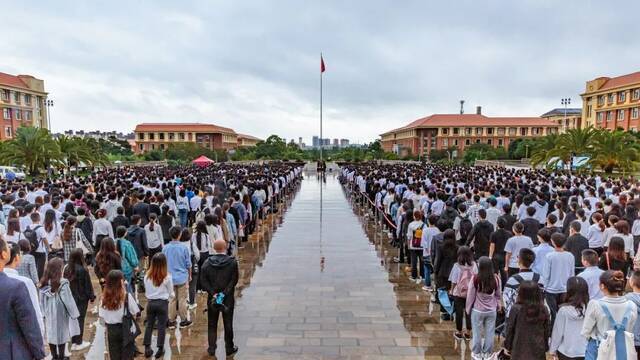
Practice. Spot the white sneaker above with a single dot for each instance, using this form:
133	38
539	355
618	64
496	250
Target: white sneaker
84	345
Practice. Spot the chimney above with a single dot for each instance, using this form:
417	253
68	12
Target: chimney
478	110
461	107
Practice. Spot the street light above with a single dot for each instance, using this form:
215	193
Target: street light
565	102
48	104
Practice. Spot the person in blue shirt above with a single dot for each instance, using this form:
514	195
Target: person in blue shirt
129	257
541	251
179	265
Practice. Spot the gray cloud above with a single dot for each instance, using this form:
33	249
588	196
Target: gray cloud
254	65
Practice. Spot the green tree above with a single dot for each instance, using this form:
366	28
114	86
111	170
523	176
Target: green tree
33	148
614	150
73	151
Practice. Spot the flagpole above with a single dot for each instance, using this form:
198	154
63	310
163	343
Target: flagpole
321	138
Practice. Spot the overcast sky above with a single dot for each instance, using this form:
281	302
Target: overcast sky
254	65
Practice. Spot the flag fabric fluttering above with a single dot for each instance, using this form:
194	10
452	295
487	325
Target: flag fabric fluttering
322	68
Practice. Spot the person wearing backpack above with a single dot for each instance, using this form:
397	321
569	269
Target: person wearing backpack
38	240
462	224
528	328
129	257
634	296
526	257
461	275
483	303
609	322
428	234
414	243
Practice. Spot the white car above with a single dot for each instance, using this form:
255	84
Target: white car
4	170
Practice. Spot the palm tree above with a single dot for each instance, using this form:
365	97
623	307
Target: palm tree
33	148
574	142
615	150
541	149
73	151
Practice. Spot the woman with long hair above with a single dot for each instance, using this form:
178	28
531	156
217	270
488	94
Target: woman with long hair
107	259
483	302
52	231
82	290
597	321
102	228
113	300
528	325
462	272
155	238
566	341
615	258
70	237
58	307
158	289
166	222
27	266
595	233
13	234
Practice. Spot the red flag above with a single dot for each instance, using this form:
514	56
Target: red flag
321	64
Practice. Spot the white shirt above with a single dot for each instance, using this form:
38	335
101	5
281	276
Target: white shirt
115	316
154	238
33	294
162	292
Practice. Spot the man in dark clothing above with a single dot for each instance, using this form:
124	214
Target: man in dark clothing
480	234
141	209
119	220
569	218
576	243
498	240
138	237
531	225
218	277
509	219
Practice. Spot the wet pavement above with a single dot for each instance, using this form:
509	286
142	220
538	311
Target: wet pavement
320	285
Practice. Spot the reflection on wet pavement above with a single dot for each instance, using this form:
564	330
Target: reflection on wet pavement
306	296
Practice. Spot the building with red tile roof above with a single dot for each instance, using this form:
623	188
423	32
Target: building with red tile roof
247	140
612	103
457	131
22	103
158	136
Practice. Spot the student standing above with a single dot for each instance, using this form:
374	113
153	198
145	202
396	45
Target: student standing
58	307
543	248
107	259
510	293
528	326
576	243
566	341
513	246
483	302
558	268
462	273
591	273
179	264
129	258
153	233
114	298
27	266
158	290
634	296
414	241
82	291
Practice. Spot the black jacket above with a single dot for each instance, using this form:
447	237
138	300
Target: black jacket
80	286
138	238
480	234
509	220
220	274
531	227
119	220
575	244
142	209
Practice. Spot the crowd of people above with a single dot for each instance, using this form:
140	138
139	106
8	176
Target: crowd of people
550	262
160	234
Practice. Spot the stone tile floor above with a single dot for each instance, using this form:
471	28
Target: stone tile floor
317	282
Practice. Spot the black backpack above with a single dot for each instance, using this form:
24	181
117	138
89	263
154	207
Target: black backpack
465	228
32	235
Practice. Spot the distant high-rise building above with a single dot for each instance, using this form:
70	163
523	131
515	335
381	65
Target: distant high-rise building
336	142
315	142
326	142
344	142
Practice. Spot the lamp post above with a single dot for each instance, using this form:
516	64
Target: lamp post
565	102
48	104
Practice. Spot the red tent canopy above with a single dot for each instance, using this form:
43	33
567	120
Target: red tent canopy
202	161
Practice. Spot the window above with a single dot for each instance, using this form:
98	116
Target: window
620	114
468	131
609	115
181	136
600	116
512	131
600	100
27	115
479	131
589	108
500	142
172	136
445	131
622	96
477	141
18	114
455	142
489	131
610	98
161	146
456	131
27	99
161	136
141	147
7	131
524	131
489	142
636	94
467	142
152	136
5	95
634	113
445	142
16	97
501	131
6	113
